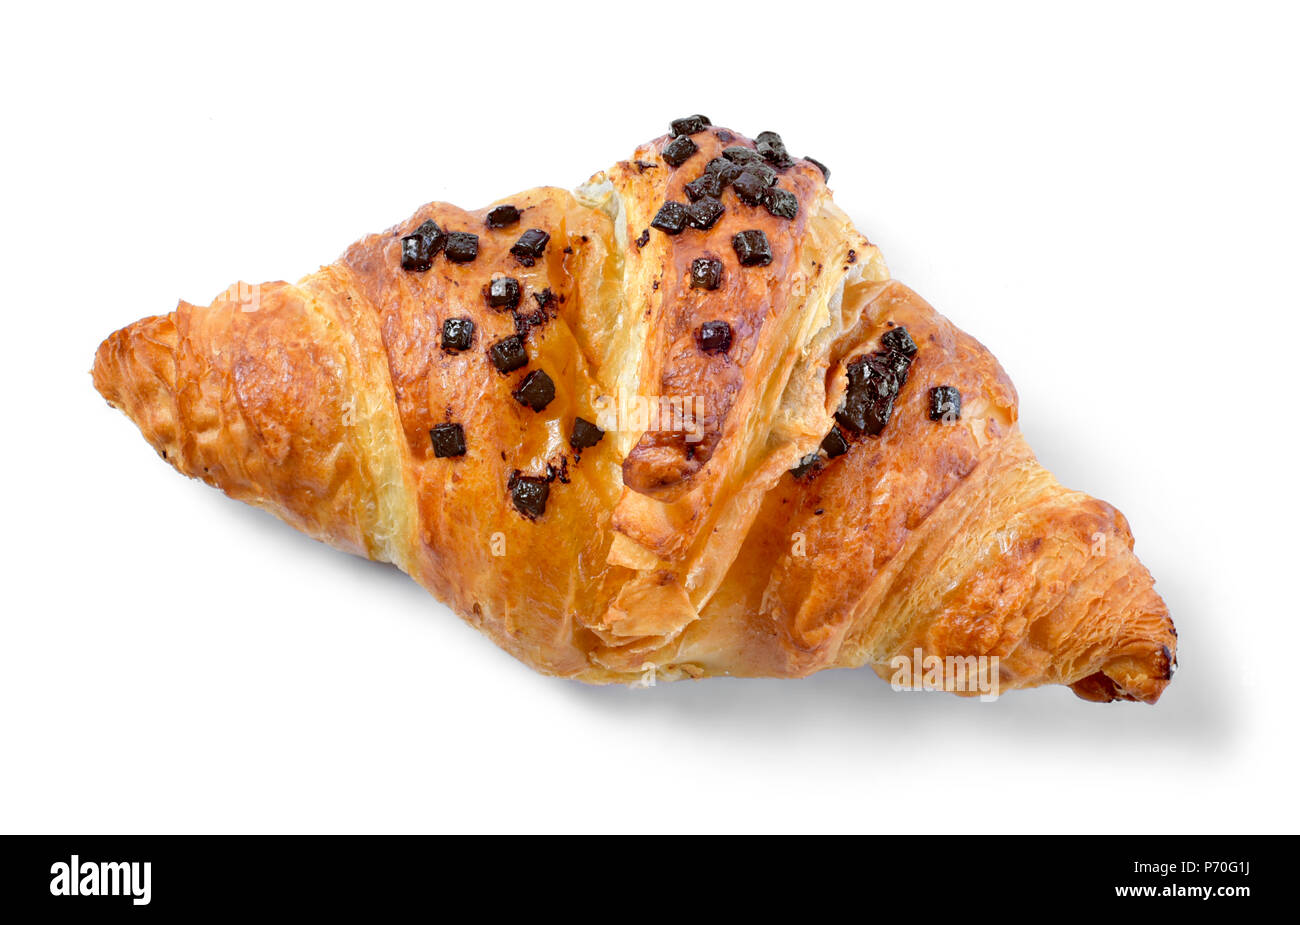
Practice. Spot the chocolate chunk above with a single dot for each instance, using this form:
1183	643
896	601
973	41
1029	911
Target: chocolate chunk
741	155
898	340
752	248
705	213
723	169
862	414
878	415
806	465
671	218
508	354
415	254
689	125
852	415
752	184
502	217
679	150
873	375
767	173
421	246
706	273
772	149
750	188
897	363
826	171
945	403
707	184
462	247
530	246
448	440
714	337
869	399
536	391
503	292
457	334
643	238
529	495
585	434
834	443
781	203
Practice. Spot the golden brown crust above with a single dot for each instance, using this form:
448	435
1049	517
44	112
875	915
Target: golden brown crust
700	556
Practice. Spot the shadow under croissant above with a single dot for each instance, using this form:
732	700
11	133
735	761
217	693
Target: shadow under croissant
1195	719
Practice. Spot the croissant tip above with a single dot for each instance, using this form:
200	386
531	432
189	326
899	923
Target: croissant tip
1139	686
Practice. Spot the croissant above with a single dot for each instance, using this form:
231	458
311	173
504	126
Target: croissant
679	421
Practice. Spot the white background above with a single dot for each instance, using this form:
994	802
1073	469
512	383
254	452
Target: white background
1106	196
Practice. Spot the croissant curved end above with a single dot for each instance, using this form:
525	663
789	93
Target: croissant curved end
628	439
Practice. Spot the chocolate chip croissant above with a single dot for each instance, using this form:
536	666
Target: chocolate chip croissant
679	421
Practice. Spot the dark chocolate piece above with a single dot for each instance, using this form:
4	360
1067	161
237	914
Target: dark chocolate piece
461	247
945	403
769	175
752	248
503	292
689	125
705	213
869	399
723	169
421	246
585	434
826	171
536	391
714	337
679	150
530	246
706	273
508	354
529	495
752	184
707	184
834	443
897	363
448	440
457	334
781	203
772	149
874	375
898	340
806	465
738	154
502	217
750	188
671	218
863	415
